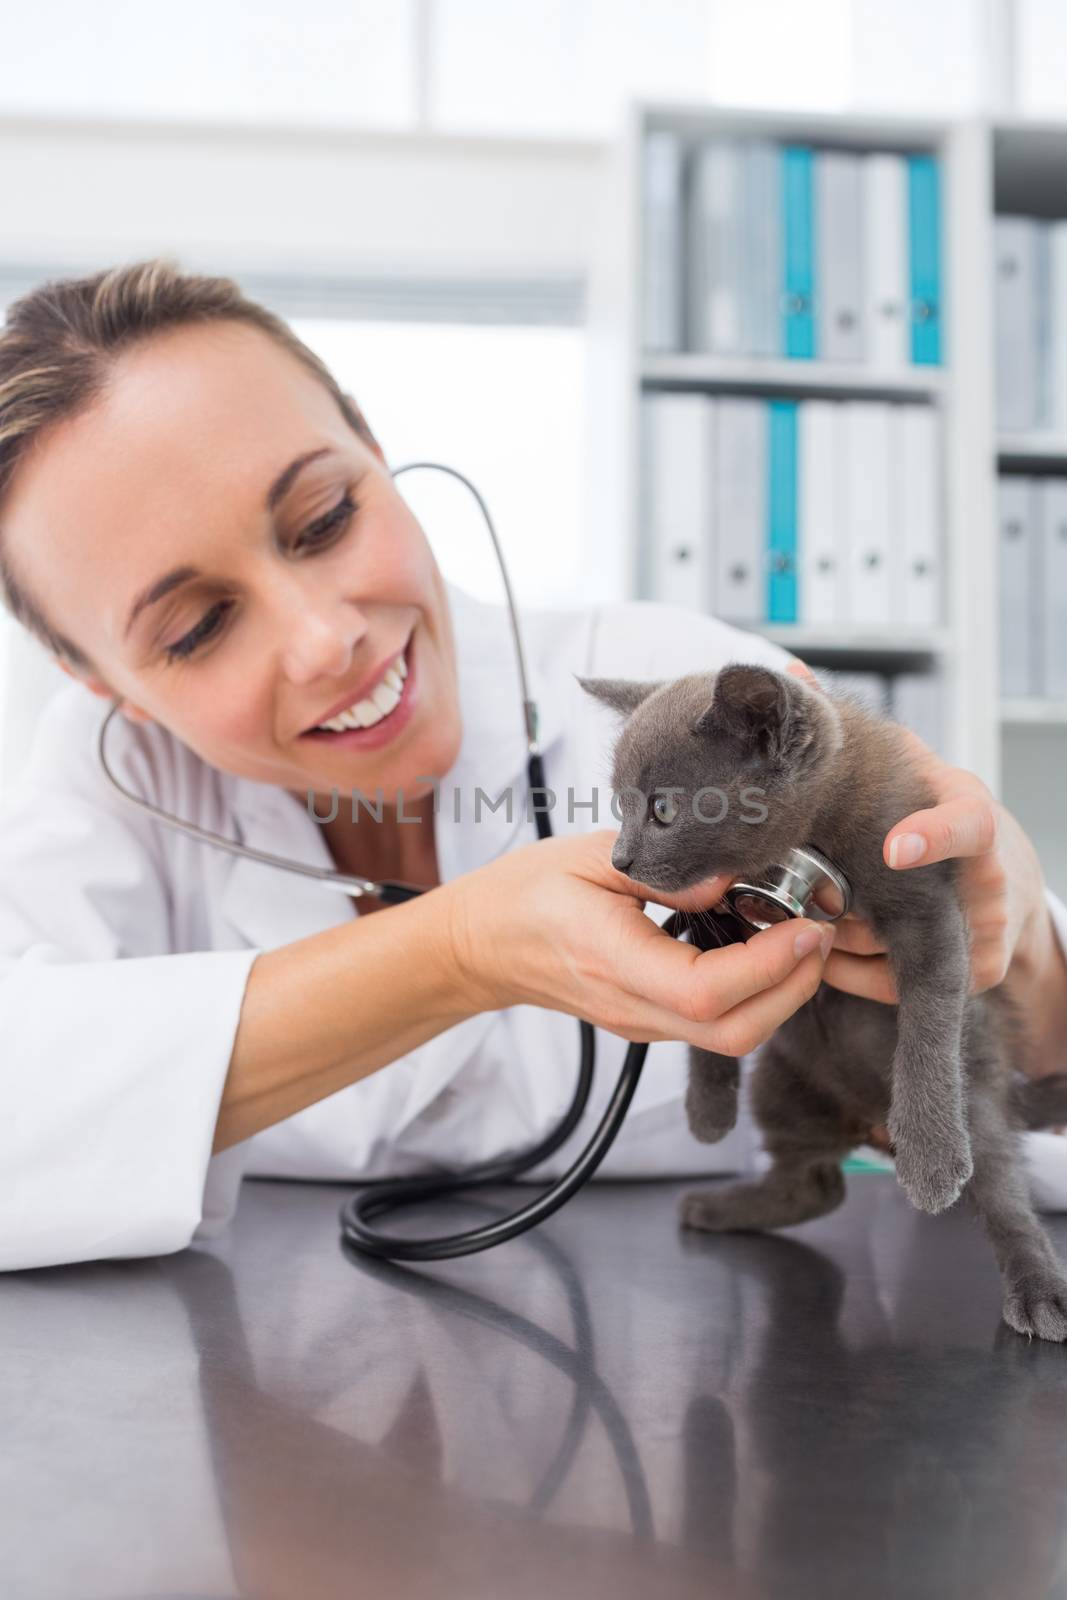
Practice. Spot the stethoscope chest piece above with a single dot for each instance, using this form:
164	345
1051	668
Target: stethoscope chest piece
786	889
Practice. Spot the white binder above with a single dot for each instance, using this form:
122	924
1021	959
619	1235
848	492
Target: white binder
886	260
678	435
920	520
761	278
820	531
740	496
1058	326
1017	508
871	689
870	517
1052	567
917	700
1016	283
715	267
839	254
663	210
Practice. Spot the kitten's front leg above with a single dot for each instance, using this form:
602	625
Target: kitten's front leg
927	1124
711	1098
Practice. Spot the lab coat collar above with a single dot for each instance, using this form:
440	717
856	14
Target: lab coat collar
268	908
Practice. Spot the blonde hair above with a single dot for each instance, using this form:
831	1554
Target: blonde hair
57	349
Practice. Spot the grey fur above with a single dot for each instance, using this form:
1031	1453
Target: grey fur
940	1068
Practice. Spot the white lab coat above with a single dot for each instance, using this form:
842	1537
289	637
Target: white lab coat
125	948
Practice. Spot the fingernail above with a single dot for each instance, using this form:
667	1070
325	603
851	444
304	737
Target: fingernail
806	942
906	849
827	935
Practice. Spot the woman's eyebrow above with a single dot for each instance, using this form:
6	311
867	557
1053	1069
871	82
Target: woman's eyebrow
178	575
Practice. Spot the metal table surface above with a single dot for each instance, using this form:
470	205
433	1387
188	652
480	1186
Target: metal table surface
610	1406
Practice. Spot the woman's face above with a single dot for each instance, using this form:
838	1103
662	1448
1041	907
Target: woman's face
238	566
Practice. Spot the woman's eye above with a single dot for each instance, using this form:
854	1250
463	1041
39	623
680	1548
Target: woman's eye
328	526
664	808
205	628
317	533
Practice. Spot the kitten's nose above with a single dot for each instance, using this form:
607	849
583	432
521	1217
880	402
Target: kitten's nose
621	860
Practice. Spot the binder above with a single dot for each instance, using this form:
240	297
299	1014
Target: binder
871	689
781	551
839	251
870	514
917	700
1052	565
920	520
798	252
886	267
924	252
820	530
739	480
761	248
663	210
1017	509
1016	278
1057	343
680	530
715	249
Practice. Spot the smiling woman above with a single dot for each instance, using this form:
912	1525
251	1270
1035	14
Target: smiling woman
201	527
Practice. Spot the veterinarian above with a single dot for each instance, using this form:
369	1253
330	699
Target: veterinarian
199	525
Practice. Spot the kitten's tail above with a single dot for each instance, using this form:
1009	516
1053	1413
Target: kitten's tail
1040	1102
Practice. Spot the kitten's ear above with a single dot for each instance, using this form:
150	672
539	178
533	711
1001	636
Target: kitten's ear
761	709
621	694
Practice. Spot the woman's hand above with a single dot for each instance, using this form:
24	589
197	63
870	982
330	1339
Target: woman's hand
554	924
1012	937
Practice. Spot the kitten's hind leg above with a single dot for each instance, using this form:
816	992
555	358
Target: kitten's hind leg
791	1192
1035	1282
806	1135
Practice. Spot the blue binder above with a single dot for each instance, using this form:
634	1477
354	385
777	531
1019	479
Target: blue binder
782	511
924	255
798	252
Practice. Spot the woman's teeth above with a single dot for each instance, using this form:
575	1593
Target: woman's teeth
383	698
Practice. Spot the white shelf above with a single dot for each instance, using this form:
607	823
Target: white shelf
1034	446
797	377
1050	713
988	167
898	641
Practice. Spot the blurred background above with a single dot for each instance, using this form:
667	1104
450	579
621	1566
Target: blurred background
525	238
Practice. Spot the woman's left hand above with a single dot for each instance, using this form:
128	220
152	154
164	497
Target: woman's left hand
1001	880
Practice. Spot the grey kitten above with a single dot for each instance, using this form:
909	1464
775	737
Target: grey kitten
781	763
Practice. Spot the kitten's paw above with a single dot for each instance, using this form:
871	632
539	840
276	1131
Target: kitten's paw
706	1211
1037	1305
933	1176
712	1112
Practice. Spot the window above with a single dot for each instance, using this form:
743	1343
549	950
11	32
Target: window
504	405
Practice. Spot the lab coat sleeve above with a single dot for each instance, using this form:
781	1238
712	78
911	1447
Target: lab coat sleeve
1046	1153
114	1048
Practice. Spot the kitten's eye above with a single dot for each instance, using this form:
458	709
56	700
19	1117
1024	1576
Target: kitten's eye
664	808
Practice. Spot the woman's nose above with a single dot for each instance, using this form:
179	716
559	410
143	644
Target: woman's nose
319	638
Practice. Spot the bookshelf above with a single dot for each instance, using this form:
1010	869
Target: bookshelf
1029	178
961	650
1018	746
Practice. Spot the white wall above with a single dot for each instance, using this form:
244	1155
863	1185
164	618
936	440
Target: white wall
88	194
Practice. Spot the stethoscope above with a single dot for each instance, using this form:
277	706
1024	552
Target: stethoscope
785	889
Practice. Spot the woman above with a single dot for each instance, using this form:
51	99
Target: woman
196	521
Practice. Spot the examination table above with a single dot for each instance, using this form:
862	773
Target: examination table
611	1406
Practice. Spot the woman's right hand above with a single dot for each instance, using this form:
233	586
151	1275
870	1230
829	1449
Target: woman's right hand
554	924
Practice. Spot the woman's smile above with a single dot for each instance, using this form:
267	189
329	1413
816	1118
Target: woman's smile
392	708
